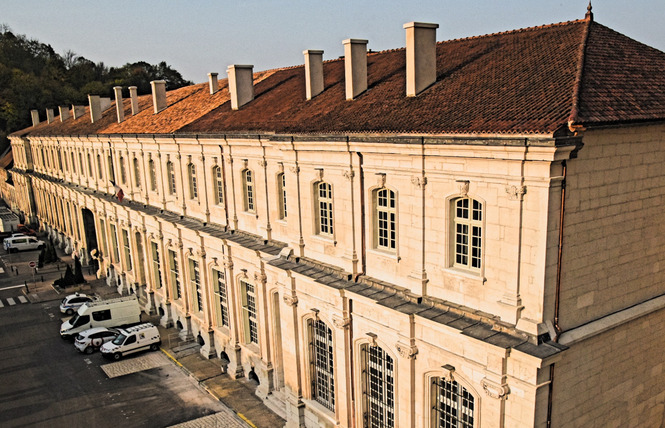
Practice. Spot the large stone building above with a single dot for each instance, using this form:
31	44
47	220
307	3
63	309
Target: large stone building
454	234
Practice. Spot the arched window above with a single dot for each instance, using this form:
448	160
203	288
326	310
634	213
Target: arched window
123	172
378	387
219	184
467	233
153	175
281	193
248	190
193	189
137	172
321	361
452	405
324	199
385	222
170	171
99	167
249	315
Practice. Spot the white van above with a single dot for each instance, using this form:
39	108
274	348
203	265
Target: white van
18	243
133	339
104	313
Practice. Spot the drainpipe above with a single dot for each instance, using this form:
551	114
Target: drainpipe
557	297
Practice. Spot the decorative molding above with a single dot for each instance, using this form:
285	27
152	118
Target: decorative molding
200	158
419	181
178	156
493	389
290	299
381	179
406	351
515	193
318	173
260	277
228	264
349	174
372	338
201	253
463	187
294	169
340	322
448	371
280	167
214	160
263	163
229	160
245	163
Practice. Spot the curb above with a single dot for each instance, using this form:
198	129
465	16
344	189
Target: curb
204	387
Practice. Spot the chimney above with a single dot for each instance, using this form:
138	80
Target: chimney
134	96
95	108
50	117
105	103
420	56
241	84
355	67
64	113
313	73
119	106
213	83
78	111
35	117
158	95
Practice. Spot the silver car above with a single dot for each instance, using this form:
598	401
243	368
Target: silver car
88	341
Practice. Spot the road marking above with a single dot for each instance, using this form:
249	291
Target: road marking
2	305
11	301
22	299
87	360
13	286
50	315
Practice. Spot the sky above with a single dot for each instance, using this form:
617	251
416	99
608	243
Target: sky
200	36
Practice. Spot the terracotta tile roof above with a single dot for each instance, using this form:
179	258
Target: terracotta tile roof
532	80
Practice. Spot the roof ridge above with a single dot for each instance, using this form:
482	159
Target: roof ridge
579	74
516	31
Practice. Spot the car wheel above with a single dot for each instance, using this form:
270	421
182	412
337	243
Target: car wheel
69	312
117	356
88	350
154	347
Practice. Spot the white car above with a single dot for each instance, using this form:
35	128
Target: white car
132	339
71	303
89	340
18	243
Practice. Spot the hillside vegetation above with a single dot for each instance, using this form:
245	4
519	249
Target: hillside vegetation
34	76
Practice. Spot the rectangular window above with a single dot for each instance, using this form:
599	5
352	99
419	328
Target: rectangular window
193	189
325	209
219	185
281	187
175	280
249	312
156	264
114	242
128	253
248	182
170	170
102	315
195	283
220	292
102	234
468	233
153	175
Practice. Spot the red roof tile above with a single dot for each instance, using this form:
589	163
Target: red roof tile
526	81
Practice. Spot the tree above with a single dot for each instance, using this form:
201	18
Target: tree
78	271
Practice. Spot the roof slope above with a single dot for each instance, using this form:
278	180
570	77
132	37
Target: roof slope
532	80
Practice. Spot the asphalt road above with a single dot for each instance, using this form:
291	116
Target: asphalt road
44	381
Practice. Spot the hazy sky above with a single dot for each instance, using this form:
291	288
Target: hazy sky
200	36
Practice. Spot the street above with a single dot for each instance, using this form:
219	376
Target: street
45	381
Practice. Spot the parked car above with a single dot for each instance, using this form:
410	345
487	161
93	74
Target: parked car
22	242
71	303
133	339
89	340
104	313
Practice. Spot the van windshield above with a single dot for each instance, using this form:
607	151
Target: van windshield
79	320
118	340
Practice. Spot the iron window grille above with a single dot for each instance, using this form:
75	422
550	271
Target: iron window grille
220	280
378	388
249	312
321	354
452	405
175	281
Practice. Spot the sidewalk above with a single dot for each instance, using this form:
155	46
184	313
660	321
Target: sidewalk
238	394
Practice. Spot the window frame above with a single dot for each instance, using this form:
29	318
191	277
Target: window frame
153	175
467	234
170	176
195	283
249	312
137	172
218	179
126	243
248	188
388	215
174	274
327	212
281	196
156	264
191	178
461	393
221	291
322	363
370	405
